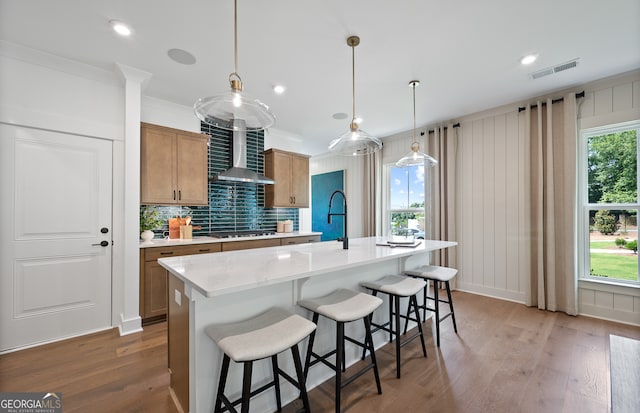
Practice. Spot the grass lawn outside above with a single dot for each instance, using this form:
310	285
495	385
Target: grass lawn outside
618	266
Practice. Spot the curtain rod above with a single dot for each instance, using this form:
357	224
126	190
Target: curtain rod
455	125
578	95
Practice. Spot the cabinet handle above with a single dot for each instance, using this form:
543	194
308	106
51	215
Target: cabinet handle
174	194
294	200
179	195
207	250
167	253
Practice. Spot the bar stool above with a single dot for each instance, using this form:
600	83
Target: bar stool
265	335
436	274
343	306
397	286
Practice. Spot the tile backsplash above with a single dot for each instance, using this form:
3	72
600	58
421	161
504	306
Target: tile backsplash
232	206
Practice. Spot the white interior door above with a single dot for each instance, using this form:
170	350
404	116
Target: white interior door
55	235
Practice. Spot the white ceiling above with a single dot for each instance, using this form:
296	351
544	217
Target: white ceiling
465	53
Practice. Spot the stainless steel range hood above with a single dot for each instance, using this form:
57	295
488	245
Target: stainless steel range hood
239	171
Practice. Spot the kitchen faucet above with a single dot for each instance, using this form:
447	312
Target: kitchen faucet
344	239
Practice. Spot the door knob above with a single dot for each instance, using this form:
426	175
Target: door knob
102	244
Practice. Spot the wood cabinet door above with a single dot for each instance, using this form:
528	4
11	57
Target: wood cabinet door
192	173
155	290
157	167
300	181
279	169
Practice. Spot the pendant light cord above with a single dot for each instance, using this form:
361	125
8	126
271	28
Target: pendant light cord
235	33
414	111
353	83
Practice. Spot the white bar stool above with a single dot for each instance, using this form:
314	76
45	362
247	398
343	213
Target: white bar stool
436	274
343	306
265	335
398	286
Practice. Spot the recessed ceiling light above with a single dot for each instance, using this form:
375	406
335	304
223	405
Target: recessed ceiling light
279	89
121	28
340	115
528	59
181	56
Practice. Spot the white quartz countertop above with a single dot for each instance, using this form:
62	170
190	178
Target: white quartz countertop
227	272
162	242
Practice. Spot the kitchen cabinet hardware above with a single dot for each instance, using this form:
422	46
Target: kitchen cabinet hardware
167	253
101	244
291	173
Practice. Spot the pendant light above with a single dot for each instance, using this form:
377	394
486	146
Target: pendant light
221	110
416	157
355	141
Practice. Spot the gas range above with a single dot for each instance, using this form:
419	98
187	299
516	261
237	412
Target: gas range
241	234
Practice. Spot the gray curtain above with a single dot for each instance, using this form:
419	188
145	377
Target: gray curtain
440	192
372	164
552	134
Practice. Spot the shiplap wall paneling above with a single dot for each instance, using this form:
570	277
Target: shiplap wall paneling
512	201
487	159
500	202
465	202
477	204
522	190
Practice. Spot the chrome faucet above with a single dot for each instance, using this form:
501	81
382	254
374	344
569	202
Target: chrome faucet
344	239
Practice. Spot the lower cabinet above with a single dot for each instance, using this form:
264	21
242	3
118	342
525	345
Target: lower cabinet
153	277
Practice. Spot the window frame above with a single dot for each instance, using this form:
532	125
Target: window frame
386	204
583	205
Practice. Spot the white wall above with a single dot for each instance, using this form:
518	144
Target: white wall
493	251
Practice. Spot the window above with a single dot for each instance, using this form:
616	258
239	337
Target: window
609	203
406	199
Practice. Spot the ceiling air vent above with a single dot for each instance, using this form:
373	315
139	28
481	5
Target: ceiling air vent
554	69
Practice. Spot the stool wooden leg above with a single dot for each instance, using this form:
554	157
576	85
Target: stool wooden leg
369	343
276	381
246	386
453	314
339	350
223	381
302	382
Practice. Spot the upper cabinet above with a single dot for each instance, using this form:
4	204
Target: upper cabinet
291	173
173	166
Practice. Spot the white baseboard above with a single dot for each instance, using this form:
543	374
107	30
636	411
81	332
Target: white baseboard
130	326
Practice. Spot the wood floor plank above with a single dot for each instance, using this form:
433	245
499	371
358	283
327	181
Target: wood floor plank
505	358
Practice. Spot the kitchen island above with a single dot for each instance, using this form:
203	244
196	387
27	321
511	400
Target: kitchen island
230	286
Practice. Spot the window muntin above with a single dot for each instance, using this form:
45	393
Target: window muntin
610	203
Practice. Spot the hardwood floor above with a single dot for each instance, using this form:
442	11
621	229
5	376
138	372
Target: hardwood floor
505	358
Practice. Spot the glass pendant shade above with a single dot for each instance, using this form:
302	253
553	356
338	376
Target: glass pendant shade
222	110
355	141
416	156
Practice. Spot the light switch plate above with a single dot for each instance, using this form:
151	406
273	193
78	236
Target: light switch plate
178	297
